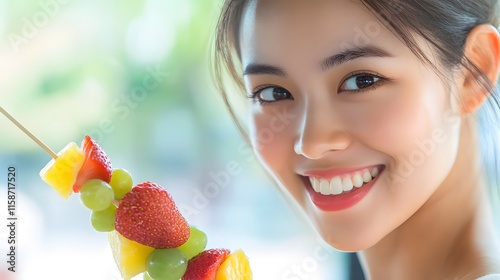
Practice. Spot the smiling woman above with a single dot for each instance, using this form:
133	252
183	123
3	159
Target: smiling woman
383	152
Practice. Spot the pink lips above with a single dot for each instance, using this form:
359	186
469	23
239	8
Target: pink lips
342	201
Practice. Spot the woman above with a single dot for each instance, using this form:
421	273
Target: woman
368	115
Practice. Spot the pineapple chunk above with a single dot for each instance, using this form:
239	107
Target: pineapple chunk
61	173
235	266
130	256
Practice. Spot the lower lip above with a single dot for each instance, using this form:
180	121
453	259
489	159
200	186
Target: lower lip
341	201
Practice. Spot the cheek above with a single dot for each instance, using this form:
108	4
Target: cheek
414	130
272	140
404	119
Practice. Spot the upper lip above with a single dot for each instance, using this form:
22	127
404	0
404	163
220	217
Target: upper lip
333	172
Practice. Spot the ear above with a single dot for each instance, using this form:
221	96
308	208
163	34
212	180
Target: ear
482	48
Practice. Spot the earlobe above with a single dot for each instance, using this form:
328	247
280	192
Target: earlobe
482	49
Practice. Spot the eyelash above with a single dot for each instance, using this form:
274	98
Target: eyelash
255	93
378	83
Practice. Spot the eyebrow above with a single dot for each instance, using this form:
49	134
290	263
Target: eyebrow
329	62
256	69
352	54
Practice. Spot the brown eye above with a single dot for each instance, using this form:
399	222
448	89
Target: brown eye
273	94
359	82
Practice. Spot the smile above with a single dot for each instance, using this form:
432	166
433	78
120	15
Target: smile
340	189
343	183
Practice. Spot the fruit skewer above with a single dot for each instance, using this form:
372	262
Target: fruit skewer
27	132
146	231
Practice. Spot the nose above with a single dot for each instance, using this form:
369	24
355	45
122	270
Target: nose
321	132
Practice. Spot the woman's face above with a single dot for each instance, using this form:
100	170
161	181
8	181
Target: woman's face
357	130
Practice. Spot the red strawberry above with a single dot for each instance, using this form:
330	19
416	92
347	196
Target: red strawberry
204	266
148	215
95	166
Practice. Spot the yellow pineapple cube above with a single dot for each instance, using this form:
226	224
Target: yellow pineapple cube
130	256
60	173
235	267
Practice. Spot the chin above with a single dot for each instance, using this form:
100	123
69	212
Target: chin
348	239
348	244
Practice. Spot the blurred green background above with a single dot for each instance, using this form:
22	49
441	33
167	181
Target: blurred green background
134	75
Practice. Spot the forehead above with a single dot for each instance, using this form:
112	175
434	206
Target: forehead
274	31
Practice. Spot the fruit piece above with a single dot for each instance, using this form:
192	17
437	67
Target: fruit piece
148	215
145	276
204	266
121	182
235	266
96	165
195	244
96	195
104	220
130	256
61	173
166	264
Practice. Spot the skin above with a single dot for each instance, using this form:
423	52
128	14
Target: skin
426	217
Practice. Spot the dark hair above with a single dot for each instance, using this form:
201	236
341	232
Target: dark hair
444	24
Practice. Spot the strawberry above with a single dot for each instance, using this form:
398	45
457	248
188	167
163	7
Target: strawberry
95	166
148	215
204	266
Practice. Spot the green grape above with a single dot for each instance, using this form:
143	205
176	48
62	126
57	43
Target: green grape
104	220
121	182
96	195
195	244
166	264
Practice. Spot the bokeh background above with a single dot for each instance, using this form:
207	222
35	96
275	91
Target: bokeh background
134	75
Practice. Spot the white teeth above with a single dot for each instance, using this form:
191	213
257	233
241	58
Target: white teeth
315	184
324	187
367	177
336	185
347	184
357	181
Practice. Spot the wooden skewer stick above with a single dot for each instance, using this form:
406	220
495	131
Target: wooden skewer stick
27	132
